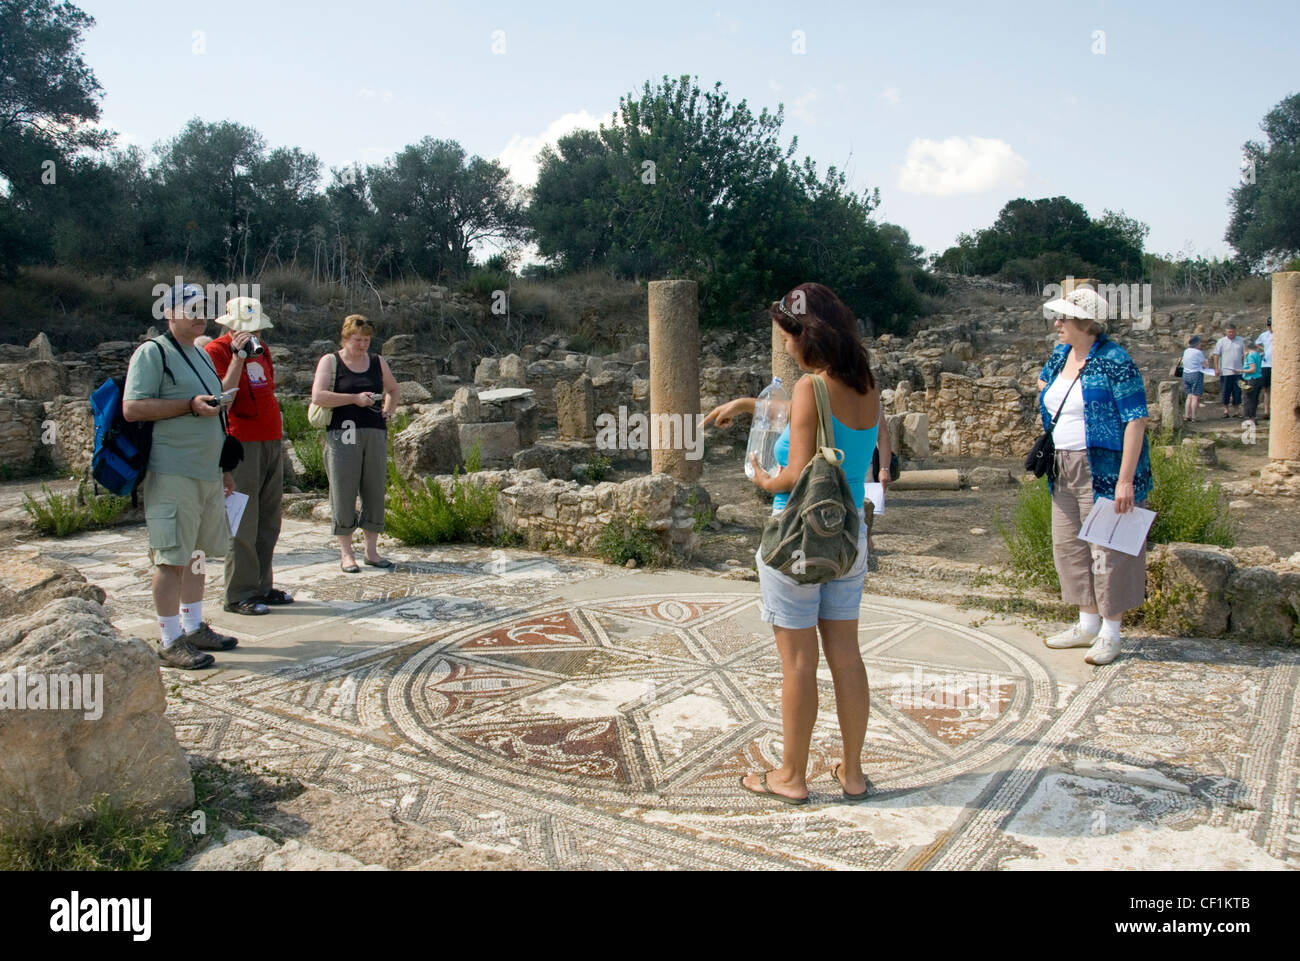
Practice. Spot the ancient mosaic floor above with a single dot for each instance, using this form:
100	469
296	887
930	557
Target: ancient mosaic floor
588	717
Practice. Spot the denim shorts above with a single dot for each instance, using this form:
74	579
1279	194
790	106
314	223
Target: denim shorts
791	605
1194	384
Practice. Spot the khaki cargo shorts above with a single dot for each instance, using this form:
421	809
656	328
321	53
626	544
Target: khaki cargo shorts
184	515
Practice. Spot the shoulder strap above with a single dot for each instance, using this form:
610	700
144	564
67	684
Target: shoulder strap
1052	427
334	371
825	436
162	355
225	427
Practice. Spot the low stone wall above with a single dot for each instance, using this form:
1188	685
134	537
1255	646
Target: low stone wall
984	417
564	514
1245	593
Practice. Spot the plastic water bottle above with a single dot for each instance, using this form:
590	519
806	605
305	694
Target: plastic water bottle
771	414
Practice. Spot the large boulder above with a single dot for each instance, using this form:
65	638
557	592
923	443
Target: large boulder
400	344
29	582
497	442
915	437
1186	589
575	405
42	380
465	405
84	719
1259	609
511	372
429	445
515	404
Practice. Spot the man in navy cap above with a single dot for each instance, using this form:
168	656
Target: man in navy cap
172	384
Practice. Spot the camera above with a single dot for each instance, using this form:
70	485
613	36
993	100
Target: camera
253	348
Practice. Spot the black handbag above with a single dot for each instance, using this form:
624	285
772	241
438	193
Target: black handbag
232	449
1041	458
894	469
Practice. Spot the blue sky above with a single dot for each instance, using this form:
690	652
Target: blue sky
950	109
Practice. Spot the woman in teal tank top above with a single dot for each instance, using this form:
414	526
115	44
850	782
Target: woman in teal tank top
821	333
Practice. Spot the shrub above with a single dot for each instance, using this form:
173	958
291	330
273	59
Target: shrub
60	515
482	283
310	449
425	513
112	839
1029	539
628	538
598	468
474	459
292	284
1186	502
293	415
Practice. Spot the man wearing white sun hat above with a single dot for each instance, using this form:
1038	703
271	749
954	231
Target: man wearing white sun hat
244	362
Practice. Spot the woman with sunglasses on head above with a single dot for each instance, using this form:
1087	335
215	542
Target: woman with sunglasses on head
821	334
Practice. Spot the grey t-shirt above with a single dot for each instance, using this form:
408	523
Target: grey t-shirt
185	445
1232	355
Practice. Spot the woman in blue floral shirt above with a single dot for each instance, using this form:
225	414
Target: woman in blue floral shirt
1101	451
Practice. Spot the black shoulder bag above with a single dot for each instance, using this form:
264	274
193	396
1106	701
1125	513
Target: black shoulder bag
1041	458
232	450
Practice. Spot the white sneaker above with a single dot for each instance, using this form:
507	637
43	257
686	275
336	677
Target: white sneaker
1103	651
1076	636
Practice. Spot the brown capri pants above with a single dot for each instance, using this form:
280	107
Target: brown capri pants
1112	581
358	467
260	475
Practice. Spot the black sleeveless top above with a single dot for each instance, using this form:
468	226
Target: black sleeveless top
350	382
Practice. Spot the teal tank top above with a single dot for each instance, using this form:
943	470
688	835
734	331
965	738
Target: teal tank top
858	446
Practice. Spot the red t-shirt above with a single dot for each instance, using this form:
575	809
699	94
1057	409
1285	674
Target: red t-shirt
255	415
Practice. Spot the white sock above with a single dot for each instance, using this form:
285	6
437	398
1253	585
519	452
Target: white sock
191	616
1110	627
171	629
1089	622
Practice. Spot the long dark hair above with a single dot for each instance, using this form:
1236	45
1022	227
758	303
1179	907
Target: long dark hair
825	333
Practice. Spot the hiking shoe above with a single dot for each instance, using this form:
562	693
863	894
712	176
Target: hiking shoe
1103	651
206	639
1076	636
250	606
183	655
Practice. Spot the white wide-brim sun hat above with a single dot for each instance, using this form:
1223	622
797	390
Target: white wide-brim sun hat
1082	303
244	313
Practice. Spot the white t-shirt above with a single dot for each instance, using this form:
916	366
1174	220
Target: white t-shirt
1193	360
1265	340
1232	355
1070	432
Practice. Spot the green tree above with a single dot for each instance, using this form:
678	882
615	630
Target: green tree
1264	221
49	101
434	204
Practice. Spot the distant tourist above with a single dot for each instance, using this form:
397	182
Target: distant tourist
243	362
1193	376
1229	356
823	338
1265	340
363	393
184	489
1252	380
1101	451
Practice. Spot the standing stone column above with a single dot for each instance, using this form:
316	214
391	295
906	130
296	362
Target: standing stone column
783	364
1284	399
674	377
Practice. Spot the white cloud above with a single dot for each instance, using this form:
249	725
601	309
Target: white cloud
889	95
802	108
960	165
520	154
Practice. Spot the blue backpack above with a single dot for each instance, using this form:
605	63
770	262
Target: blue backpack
121	446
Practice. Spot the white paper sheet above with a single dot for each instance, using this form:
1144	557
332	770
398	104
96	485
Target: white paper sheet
235	504
1119	532
876	494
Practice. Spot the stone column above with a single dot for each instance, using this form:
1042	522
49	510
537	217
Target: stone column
674	378
1284	399
783	364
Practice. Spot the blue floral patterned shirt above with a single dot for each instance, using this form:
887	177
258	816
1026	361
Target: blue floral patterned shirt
1113	395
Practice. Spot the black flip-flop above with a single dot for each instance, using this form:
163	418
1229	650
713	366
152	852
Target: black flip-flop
383	562
350	569
768	792
847	796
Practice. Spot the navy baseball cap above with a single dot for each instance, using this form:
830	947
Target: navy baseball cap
182	296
